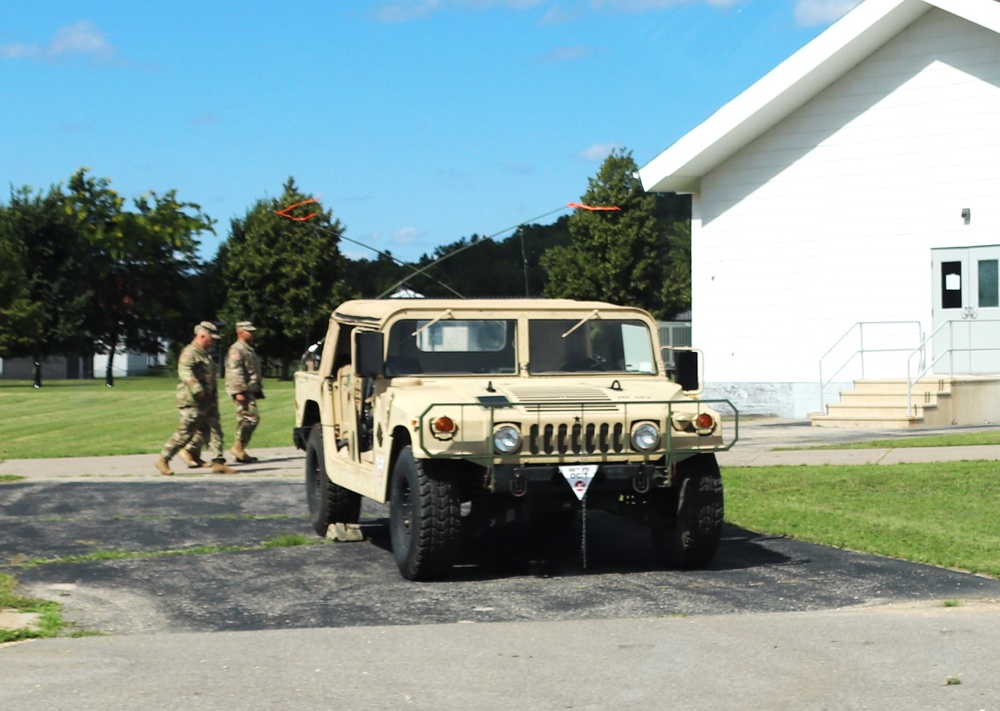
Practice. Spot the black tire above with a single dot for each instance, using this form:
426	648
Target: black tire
692	512
328	502
424	519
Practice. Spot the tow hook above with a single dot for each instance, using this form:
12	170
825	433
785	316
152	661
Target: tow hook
518	486
641	481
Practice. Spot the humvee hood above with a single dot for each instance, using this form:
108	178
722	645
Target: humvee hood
523	391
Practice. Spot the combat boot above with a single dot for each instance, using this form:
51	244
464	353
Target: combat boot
240	454
163	466
219	467
191	460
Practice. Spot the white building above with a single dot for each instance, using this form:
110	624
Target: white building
857	182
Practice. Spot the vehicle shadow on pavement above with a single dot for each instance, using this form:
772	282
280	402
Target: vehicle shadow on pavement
614	546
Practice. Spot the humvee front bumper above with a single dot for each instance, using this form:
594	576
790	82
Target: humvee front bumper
549	479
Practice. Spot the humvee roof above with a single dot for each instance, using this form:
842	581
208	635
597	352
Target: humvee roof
377	311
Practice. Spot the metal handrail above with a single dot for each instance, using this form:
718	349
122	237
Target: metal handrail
860	326
950	352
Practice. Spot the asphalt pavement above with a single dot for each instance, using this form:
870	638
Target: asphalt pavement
917	654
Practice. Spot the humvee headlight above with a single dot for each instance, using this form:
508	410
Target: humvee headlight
506	439
645	436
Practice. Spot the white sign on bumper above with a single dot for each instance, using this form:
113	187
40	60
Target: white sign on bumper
579	476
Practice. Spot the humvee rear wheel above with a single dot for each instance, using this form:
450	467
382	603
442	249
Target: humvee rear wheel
693	511
328	502
424	519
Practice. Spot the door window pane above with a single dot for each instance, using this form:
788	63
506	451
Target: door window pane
989	293
951	285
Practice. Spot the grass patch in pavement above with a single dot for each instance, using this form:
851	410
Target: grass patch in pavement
49	623
84	418
290	540
941	513
10	478
281	541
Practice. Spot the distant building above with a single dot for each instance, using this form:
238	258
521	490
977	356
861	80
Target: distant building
80	368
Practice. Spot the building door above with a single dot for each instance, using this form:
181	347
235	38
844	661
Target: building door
965	317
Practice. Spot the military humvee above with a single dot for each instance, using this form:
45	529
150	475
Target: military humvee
465	414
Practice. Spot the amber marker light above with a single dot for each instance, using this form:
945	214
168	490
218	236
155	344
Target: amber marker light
444	425
704	423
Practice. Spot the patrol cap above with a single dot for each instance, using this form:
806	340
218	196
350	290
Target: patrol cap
245	326
209	328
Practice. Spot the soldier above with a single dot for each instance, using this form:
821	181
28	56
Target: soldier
197	401
243	383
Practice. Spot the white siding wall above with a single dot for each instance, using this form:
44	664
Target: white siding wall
828	219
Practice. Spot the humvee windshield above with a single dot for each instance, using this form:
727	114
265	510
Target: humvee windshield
571	346
486	346
452	347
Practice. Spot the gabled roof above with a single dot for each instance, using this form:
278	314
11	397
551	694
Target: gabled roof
792	83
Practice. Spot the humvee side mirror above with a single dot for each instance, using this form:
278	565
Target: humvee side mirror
686	369
368	352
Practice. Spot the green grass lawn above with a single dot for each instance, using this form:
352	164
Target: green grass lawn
78	418
943	513
957	439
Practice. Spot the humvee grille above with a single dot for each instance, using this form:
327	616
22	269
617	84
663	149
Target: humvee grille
591	438
564	399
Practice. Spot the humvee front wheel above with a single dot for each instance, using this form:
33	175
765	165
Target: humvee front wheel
424	519
692	511
328	502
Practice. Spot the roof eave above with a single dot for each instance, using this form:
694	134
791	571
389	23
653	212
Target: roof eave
780	92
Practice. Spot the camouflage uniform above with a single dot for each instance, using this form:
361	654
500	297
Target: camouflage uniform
243	377
197	403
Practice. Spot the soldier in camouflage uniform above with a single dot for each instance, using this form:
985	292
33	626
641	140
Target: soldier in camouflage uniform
197	401
243	384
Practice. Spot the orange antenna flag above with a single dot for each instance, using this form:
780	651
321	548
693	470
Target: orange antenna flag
287	211
579	206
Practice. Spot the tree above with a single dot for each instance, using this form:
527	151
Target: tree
43	302
138	263
676	293
20	317
284	275
618	256
476	266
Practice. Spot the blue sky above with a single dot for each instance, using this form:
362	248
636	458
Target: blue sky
418	122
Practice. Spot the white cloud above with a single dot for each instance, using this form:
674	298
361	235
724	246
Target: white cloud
82	40
566	54
406	10
205	118
643	5
598	151
405	235
519	168
512	4
817	12
807	12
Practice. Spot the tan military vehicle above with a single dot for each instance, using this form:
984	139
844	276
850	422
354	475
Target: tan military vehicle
465	414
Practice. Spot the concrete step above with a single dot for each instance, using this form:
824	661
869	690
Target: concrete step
874	399
894	411
899	386
870	422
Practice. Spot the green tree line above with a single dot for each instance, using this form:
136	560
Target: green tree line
82	272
